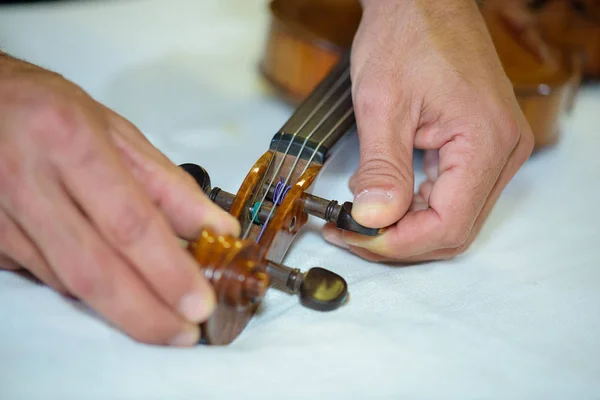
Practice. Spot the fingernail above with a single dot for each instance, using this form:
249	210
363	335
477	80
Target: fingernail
189	337
371	203
335	239
196	307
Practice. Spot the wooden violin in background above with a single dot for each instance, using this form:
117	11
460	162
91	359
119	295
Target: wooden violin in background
571	25
272	205
546	48
307	37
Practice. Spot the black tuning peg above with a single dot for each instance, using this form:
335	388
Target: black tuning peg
199	174
318	289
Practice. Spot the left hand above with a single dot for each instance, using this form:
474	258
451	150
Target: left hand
426	75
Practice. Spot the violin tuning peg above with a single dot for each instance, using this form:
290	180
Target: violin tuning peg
340	215
323	290
318	289
199	174
343	220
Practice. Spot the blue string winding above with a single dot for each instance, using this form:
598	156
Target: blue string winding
279	193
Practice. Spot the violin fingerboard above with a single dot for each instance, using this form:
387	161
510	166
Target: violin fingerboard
321	120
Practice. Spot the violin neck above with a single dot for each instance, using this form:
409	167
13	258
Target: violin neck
321	120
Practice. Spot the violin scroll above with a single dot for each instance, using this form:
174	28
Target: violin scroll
240	271
240	279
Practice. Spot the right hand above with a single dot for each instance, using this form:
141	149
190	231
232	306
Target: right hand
92	209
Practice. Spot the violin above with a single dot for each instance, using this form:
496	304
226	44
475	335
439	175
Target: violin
306	38
545	77
306	61
572	24
272	204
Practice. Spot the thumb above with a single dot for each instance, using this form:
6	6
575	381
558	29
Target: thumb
383	185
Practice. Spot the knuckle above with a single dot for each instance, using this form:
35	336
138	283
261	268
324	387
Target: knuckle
455	237
9	172
366	100
14	188
128	225
6	263
527	144
510	131
55	122
88	276
5	231
370	96
81	281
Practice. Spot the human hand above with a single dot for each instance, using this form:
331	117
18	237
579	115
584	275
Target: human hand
91	208
426	75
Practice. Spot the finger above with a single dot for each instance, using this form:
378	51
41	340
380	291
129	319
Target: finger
518	157
425	190
384	182
431	162
93	272
184	204
6	263
21	253
406	251
334	236
126	129
90	169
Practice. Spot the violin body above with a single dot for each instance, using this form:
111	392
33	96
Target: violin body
545	77
305	40
573	25
307	37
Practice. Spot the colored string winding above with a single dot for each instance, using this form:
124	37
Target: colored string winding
255	211
344	76
279	193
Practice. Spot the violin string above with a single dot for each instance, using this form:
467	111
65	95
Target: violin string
337	125
342	98
325	98
320	104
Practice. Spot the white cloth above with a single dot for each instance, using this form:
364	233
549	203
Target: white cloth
518	316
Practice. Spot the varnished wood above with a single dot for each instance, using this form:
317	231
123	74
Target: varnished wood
246	193
545	78
305	41
237	273
288	218
307	38
563	26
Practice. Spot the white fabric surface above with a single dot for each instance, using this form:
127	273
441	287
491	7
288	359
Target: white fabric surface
516	317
